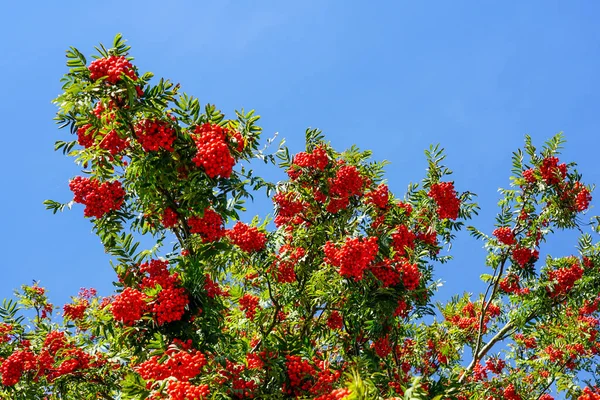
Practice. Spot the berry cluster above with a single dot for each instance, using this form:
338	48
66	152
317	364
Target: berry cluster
13	367
186	391
504	235
510	284
386	273
169	218
446	199
401	309
286	261
129	306
56	358
209	226
113	68
170	302
183	364
335	320
411	276
212	288
299	373
98	198
336	394
529	342
403	240
529	176
510	393
347	183
495	365
85	135
75	311
316	378
553	173
248	238
379	197
317	160
5	331
382	346
524	256
564	279
288	207
468	318
213	149
588	394
583	197
180	362
353	257
154	135
113	143
249	304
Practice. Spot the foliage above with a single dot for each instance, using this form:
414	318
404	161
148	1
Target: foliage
332	299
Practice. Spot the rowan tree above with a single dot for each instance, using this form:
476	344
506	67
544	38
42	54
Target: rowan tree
327	300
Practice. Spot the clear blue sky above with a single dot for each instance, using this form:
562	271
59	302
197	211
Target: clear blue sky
396	77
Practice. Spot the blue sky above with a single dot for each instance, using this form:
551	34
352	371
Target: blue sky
394	78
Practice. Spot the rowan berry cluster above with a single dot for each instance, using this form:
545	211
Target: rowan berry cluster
212	288
299	373
523	256
448	204
382	346
564	279
552	173
401	309
154	135
249	304
288	207
317	161
379	196
186	391
529	175
113	143
335	320
495	365
528	341
347	183
510	393
411	276
172	299
213	143
129	306
353	257
180	362
247	238
286	261
336	394
75	311
386	272
469	318
5	331
403	240
56	358
98	198
169	218
583	197
589	394
209	226
13	367
113	68
510	284
85	135
504	235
